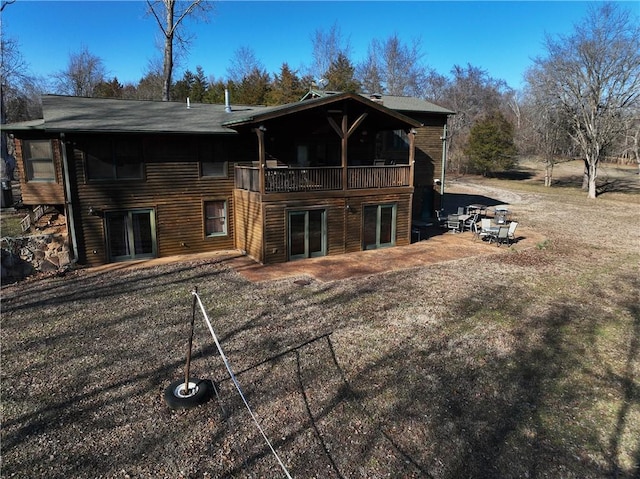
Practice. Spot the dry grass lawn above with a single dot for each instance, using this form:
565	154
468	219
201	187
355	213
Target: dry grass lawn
520	364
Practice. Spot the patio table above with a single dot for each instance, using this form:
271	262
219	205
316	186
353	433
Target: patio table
477	208
491	232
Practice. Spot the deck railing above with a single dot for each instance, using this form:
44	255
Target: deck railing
284	180
361	177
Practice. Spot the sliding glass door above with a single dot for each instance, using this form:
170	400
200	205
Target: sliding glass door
307	234
379	226
131	234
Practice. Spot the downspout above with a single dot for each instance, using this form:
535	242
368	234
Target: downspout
444	165
68	203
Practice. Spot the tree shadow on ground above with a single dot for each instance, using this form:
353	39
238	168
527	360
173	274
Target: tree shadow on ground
604	184
517	175
453	201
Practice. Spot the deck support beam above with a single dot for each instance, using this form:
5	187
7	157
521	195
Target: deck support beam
261	157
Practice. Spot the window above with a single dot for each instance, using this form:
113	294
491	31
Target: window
38	160
215	218
117	159
379	226
213	160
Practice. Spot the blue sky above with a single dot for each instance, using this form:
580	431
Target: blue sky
500	37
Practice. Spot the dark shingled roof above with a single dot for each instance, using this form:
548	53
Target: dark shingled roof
398	103
80	114
66	113
282	110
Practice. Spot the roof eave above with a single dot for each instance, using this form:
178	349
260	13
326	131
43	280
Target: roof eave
317	102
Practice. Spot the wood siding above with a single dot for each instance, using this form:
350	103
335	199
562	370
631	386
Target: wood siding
428	167
39	192
174	190
344	225
249	224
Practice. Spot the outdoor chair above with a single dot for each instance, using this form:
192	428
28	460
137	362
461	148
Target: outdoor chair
485	224
453	224
476	231
511	235
502	236
470	223
460	210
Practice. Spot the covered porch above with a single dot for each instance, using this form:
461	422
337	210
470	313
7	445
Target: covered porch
339	143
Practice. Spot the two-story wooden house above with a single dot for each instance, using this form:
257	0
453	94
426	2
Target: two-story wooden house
142	179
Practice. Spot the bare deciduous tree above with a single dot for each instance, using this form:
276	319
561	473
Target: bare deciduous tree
471	93
170	15
243	63
84	71
593	75
631	140
545	130
327	47
393	68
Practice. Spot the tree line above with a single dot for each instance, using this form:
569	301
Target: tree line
581	98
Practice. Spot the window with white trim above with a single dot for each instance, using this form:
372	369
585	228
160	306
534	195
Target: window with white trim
38	160
215	218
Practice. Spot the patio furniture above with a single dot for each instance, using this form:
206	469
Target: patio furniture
501	215
502	236
460	210
453	223
477	208
511	235
485	228
467	224
475	231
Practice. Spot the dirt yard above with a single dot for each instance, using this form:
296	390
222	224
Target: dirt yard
505	363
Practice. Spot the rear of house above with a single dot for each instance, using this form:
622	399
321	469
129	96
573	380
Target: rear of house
143	179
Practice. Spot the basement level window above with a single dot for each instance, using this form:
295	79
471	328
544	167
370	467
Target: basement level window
215	218
38	160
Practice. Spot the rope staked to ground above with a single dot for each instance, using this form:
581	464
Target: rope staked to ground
237	385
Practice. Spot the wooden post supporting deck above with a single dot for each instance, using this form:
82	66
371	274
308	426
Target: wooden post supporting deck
261	158
412	155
